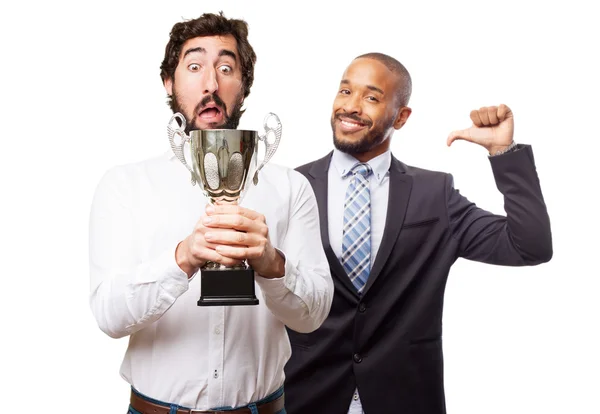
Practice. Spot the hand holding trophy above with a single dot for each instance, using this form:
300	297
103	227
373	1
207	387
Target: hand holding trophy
222	160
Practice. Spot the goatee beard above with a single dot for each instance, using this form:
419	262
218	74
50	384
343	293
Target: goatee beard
368	142
364	144
358	147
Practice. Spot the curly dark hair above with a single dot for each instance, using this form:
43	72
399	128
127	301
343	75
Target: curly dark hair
210	24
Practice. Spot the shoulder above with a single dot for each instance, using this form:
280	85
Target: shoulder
426	180
321	163
130	174
282	177
419	173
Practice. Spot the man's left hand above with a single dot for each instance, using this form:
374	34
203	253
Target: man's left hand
241	233
493	128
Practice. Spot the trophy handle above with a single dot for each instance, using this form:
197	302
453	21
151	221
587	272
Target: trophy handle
178	147
270	148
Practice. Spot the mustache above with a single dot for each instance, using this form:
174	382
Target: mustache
208	99
353	117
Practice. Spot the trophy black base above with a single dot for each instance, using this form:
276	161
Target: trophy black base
227	287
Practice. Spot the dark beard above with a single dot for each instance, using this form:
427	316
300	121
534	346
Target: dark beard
366	143
229	121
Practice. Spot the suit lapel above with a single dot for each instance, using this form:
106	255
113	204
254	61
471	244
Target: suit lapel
399	194
319	173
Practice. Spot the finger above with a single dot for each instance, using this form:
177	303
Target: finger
233	252
232	209
256	252
203	255
232	238
242	253
504	112
228	221
483	116
198	236
239	223
475	118
464	134
492	113
228	261
225	208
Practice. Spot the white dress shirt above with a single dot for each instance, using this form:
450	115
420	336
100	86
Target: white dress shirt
200	357
379	184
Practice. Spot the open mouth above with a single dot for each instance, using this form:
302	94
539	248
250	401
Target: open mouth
211	113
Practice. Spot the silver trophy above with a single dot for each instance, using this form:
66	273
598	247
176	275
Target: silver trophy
222	160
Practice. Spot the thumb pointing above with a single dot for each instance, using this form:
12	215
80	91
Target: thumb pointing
464	134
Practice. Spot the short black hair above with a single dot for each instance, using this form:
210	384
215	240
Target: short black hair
403	92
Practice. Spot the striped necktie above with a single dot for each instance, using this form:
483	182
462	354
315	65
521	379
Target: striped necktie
356	243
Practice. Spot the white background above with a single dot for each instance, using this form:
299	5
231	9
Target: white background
82	93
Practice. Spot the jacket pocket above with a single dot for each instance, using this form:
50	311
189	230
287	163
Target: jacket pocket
420	223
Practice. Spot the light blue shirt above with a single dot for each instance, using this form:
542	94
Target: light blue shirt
379	185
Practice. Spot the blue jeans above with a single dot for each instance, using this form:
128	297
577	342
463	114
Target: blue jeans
251	406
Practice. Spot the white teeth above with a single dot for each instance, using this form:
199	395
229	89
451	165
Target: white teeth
350	124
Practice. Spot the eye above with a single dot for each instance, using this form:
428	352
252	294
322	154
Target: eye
344	92
372	99
225	69
194	67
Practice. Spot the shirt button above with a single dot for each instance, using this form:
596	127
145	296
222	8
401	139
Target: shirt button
355	396
357	358
217	331
362	307
216	375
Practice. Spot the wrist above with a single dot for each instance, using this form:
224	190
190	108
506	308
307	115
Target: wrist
181	258
501	149
276	266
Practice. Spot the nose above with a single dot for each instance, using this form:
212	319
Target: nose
351	104
210	84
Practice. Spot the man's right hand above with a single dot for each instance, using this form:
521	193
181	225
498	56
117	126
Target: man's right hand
194	251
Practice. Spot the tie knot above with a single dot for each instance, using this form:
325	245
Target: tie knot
362	168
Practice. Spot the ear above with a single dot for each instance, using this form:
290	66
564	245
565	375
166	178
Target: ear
168	83
402	117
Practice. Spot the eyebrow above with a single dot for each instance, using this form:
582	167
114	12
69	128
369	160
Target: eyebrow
226	52
370	87
199	49
375	88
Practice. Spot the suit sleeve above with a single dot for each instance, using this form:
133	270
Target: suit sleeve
522	237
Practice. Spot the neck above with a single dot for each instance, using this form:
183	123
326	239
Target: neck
374	152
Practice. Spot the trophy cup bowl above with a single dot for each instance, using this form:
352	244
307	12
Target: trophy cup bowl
222	160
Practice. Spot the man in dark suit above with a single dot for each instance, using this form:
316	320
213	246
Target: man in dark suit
391	232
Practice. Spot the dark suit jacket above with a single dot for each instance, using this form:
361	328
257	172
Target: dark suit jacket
388	342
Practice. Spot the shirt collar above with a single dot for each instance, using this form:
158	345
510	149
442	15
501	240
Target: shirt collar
380	165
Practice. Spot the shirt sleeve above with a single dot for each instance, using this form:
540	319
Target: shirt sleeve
126	294
302	298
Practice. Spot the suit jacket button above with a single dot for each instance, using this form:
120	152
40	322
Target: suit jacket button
357	358
362	308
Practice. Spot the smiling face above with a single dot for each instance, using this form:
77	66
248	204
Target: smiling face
207	85
365	110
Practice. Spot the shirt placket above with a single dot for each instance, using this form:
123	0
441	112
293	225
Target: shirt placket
216	346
